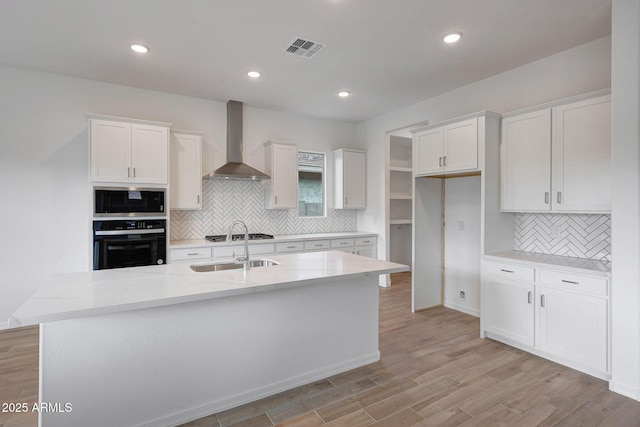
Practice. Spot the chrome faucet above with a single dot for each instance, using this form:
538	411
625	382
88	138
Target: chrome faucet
241	259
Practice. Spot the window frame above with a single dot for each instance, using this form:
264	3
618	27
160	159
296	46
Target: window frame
324	184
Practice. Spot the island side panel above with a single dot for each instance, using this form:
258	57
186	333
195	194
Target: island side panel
167	365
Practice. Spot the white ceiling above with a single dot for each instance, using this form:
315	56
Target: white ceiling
388	53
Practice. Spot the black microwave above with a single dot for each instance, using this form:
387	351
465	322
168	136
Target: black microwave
113	201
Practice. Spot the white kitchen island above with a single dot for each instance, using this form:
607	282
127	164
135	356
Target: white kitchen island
162	345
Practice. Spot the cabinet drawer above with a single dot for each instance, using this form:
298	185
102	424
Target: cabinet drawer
342	243
238	250
511	271
289	247
317	245
190	253
365	241
575	282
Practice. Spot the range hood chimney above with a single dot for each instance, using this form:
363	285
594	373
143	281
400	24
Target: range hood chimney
235	168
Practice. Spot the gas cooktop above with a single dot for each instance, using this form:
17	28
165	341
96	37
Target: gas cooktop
252	236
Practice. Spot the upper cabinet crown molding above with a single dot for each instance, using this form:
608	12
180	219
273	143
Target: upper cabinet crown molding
558	158
128	150
350	181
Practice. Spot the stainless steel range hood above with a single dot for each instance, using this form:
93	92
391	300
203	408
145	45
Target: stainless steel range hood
235	168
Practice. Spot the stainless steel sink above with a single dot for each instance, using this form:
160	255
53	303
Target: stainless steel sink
219	266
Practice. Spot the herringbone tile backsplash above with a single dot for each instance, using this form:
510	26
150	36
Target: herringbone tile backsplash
580	236
225	201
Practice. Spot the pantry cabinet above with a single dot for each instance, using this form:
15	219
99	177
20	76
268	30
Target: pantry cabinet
558	159
281	164
560	315
129	152
350	181
186	170
447	149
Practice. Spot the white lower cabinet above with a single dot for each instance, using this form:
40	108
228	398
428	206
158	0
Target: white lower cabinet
555	314
509	309
365	246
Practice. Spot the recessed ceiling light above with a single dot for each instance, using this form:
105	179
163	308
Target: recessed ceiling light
344	94
139	48
452	37
253	74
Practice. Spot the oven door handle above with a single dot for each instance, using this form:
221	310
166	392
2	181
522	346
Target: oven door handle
127	247
125	232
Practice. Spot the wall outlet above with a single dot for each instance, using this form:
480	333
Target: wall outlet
463	295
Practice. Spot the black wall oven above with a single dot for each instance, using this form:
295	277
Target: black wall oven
129	243
122	202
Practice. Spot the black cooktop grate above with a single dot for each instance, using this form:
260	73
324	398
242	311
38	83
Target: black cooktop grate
234	237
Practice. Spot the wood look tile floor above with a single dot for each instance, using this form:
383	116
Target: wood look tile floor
434	371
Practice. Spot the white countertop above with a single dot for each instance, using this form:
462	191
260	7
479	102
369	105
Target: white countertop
576	265
82	294
276	239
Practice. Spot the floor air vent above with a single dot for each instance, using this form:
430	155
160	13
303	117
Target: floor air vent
305	48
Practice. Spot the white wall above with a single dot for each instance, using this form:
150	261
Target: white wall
462	244
579	70
625	293
45	209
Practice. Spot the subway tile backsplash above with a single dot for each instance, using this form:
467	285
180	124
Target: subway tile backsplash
227	200
574	235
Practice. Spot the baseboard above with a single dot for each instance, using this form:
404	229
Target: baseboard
466	310
4	325
625	390
261	392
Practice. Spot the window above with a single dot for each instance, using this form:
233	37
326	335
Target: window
310	184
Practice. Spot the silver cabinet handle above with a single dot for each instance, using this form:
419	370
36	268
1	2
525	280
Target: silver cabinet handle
546	198
559	197
291	247
192	254
440	161
317	245
529	297
346	200
444	161
542	300
198	201
134	172
128	172
506	271
569	281
276	197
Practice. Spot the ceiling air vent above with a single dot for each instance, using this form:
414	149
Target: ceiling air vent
305	48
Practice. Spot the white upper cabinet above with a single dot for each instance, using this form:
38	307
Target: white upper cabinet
558	159
129	152
350	182
186	170
525	162
281	164
447	149
582	156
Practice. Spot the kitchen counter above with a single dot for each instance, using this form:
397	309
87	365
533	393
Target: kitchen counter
184	345
89	293
276	239
570	264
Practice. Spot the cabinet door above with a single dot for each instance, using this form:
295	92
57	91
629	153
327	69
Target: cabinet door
284	176
355	180
509	309
149	154
461	146
573	326
186	171
582	156
525	162
110	151
368	251
428	155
